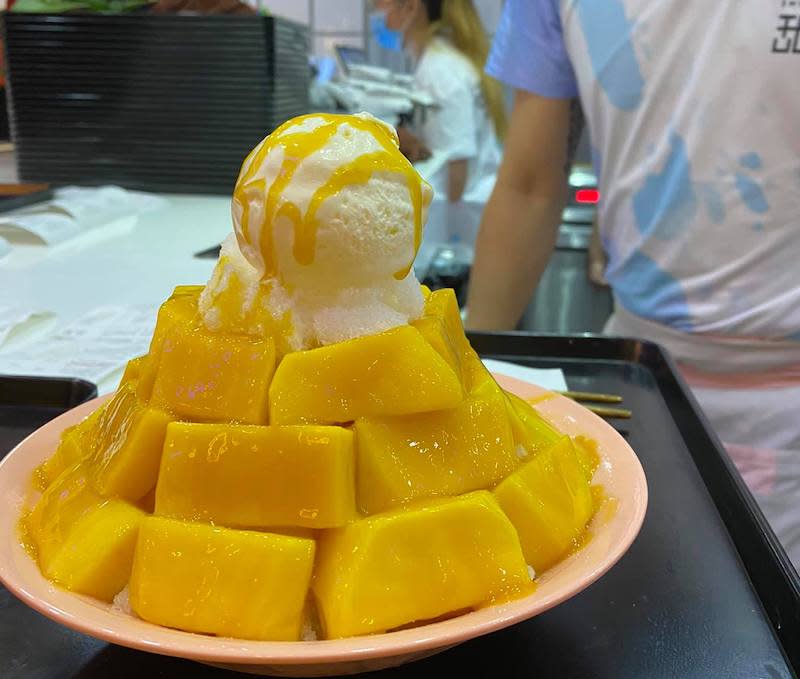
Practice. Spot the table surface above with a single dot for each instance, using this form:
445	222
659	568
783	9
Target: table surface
136	260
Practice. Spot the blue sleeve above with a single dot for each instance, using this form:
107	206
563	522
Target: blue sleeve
528	51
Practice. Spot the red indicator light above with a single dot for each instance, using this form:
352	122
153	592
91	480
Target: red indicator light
587	196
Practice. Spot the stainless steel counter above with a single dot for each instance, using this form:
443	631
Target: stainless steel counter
565	300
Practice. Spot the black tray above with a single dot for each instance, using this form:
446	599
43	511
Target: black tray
704	592
26	403
14	201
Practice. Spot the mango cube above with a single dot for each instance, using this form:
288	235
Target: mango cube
588	455
549	501
133	370
193	291
207	376
476	375
392	373
129	440
433	330
83	541
442	304
258	477
67	499
441	325
179	309
68	453
446	452
412	565
236	583
76	444
532	433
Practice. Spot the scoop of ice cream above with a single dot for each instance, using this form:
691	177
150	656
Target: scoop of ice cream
328	217
237	300
329	201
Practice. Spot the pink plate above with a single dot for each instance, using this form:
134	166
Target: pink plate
612	532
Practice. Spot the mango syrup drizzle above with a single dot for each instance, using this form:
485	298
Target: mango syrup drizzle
297	147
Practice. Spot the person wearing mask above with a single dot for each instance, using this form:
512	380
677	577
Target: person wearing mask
700	187
461	132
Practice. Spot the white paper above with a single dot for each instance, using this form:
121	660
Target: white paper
102	204
91	347
74	211
16	322
547	378
50	228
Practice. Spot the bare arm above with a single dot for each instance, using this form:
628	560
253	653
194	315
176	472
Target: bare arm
411	145
456	179
520	224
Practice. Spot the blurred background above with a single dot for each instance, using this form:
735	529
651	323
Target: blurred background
169	97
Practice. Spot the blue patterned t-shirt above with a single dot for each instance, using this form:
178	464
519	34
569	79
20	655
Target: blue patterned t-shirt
694	114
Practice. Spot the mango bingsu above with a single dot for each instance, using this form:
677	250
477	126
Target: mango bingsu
311	448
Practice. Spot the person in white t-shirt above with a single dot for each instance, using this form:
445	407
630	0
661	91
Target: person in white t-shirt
448	44
693	121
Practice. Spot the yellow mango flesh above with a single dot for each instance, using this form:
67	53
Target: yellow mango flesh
411	565
441	325
392	373
208	376
549	501
531	431
69	452
442	304
68	498
433	330
129	441
235	583
432	430
258	477
76	444
446	452
187	291
476	375
148	503
588	455
179	309
133	369
83	541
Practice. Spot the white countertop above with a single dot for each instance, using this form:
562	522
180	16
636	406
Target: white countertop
137	260
131	263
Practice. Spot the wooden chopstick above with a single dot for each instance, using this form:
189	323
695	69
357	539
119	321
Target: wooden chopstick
584	397
621	413
591	397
